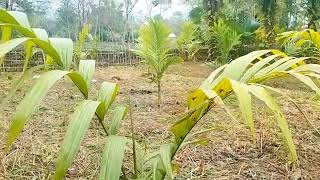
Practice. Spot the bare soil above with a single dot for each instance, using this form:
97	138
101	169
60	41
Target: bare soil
229	154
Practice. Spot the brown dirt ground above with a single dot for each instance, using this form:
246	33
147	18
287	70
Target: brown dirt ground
230	153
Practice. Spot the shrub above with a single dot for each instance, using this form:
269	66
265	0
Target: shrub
224	38
302	43
187	42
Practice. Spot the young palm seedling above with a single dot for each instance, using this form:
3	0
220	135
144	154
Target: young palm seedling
243	77
156	49
60	53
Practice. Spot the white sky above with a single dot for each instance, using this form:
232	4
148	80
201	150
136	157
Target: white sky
141	8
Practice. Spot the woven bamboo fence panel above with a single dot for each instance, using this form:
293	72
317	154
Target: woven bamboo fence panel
14	60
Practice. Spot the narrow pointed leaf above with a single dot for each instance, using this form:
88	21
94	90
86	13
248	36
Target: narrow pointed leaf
237	67
117	117
64	47
31	101
208	82
79	123
79	81
182	127
269	68
158	170
256	67
166	152
24	31
307	81
285	66
112	158
86	68
308	68
10	45
28	54
33	98
24	77
242	92
6	33
264	96
46	46
107	94
14	17
41	34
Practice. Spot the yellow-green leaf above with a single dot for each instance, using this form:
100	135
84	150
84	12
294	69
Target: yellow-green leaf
107	94
79	123
44	45
269	68
245	104
33	98
182	127
307	81
80	82
25	76
31	101
23	30
6	33
14	17
112	158
117	117
264	96
256	67
86	69
64	47
166	152
41	34
237	67
285	66
308	68
28	54
10	45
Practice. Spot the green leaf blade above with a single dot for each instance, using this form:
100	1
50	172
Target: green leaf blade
166	152
64	47
264	96
79	123
118	115
31	101
112	158
86	69
242	92
107	94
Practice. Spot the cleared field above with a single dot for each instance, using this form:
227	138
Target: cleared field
230	152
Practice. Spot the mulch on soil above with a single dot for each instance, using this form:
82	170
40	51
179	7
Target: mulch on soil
230	152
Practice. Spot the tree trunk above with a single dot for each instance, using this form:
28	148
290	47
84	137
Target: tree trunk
159	94
313	17
7	5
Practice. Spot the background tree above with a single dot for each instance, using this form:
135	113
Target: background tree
313	13
67	19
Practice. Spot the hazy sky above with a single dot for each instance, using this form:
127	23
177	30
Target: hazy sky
141	8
